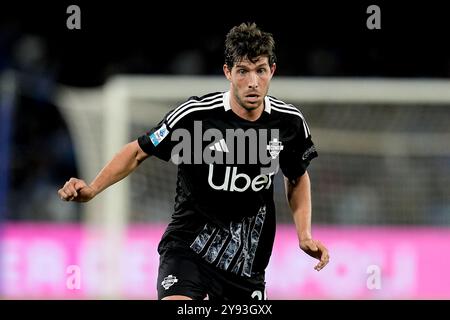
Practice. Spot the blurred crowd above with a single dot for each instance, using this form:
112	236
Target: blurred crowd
40	149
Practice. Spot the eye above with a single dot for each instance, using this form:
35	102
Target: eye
242	71
261	70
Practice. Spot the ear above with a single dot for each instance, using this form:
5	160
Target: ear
272	69
227	72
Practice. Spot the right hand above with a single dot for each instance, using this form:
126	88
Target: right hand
76	190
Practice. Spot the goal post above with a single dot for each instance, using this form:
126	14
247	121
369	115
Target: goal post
382	118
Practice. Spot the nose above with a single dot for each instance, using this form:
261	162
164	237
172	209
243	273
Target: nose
253	81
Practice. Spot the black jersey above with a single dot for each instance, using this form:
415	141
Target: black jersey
224	209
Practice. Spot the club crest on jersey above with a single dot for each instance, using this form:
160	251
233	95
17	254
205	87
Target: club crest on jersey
169	281
274	148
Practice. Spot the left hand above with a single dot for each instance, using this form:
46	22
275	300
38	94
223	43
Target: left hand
317	250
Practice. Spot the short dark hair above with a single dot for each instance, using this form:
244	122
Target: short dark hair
247	41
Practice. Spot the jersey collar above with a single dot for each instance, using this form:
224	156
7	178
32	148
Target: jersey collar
227	106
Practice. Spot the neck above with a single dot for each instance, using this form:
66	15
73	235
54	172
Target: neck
247	114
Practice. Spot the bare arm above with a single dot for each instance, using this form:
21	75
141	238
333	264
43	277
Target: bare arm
121	165
299	198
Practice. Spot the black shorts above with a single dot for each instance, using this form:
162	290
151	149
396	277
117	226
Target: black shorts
182	272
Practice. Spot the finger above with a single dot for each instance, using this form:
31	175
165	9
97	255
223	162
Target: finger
319	266
72	190
68	189
325	255
324	259
79	185
323	250
68	196
63	195
73	180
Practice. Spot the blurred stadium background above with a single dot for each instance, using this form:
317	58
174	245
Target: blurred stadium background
377	103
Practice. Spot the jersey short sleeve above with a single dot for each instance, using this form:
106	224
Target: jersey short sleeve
161	140
158	141
299	150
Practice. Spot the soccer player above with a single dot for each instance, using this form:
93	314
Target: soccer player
228	147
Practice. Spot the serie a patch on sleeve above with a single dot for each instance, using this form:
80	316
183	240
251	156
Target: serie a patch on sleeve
159	135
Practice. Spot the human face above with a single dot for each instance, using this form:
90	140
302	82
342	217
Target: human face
249	82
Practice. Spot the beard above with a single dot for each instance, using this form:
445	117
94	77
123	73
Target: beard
246	105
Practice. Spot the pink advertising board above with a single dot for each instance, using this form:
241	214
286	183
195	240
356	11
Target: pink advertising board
54	261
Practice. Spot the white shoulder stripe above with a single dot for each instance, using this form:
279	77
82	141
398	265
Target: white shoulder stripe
185	105
305	126
279	102
285	105
275	99
287	111
202	108
287	108
291	107
205	104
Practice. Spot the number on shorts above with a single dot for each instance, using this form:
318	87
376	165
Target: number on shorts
259	295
